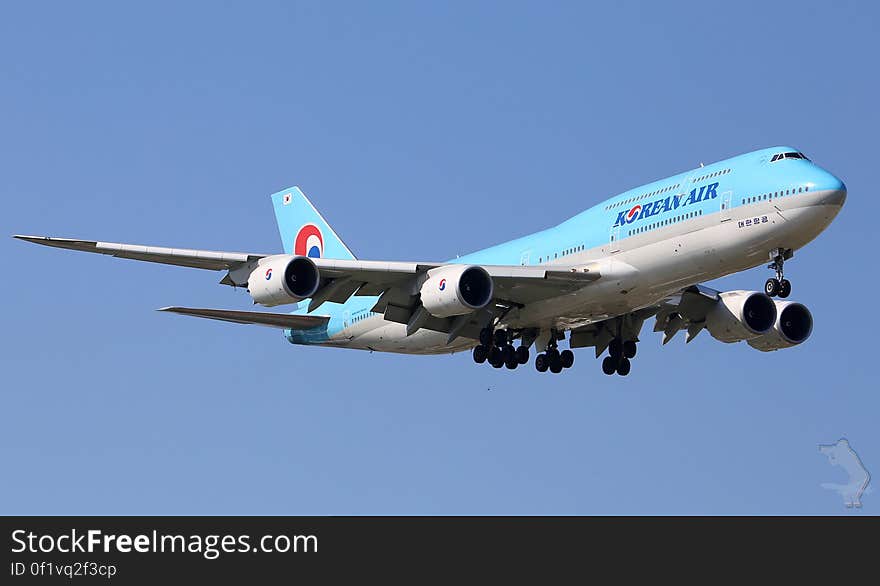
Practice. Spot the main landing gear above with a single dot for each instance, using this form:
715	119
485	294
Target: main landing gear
496	348
619	355
554	360
779	285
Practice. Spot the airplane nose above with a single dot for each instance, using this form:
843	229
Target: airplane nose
838	196
835	189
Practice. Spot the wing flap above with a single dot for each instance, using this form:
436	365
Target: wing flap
262	318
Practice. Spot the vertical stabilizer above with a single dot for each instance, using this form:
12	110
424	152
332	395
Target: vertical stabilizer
304	231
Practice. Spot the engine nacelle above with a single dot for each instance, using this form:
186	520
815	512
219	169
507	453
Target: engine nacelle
741	315
794	324
456	290
283	278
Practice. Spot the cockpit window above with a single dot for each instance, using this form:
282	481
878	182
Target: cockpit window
795	155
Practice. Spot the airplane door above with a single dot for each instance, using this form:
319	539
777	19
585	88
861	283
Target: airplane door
346	319
726	199
614	240
524	259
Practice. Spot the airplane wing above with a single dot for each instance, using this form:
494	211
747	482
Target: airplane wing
199	259
342	278
263	318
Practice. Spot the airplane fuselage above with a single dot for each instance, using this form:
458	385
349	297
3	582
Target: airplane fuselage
649	242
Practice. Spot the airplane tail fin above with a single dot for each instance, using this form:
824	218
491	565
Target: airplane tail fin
304	231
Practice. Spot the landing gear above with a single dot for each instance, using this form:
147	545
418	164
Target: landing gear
619	353
541	363
510	360
486	337
784	288
567	357
554	360
779	285
496	348
615	348
496	357
609	365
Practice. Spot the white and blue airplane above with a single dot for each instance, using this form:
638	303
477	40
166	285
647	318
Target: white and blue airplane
593	279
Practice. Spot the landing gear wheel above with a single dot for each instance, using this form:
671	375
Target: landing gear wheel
629	349
495	356
522	354
623	367
778	285
784	288
500	337
480	354
555	361
567	358
497	363
508	354
609	365
511	364
541	363
615	349
486	337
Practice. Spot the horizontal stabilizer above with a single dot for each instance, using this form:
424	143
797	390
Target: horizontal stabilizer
263	318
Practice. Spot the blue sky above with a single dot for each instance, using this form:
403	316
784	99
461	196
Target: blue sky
421	131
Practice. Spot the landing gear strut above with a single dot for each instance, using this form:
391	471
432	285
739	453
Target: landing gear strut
778	285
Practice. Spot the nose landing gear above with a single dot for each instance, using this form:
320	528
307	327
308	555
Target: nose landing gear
779	285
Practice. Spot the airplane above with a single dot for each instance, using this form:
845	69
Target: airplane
594	279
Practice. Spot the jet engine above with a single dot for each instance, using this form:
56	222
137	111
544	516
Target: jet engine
283	278
741	315
794	324
456	290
